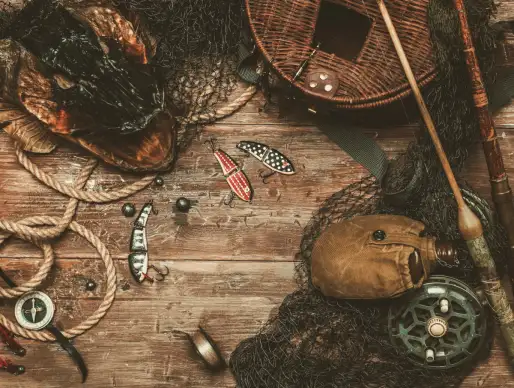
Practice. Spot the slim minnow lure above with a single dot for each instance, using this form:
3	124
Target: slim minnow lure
270	157
138	257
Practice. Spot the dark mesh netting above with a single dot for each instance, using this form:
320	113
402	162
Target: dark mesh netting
196	50
315	341
197	47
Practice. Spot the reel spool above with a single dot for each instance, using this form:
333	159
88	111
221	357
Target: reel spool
443	325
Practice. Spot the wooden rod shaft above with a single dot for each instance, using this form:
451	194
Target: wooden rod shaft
421	104
500	187
488	135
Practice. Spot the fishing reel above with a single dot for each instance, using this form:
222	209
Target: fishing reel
443	325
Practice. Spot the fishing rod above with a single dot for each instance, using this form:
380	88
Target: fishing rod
500	188
469	224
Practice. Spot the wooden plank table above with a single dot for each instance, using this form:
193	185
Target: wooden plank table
230	268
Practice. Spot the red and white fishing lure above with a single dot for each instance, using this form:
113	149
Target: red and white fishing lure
235	176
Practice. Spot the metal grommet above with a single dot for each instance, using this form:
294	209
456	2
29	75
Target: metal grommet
379	235
207	349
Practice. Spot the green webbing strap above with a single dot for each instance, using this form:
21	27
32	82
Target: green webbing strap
369	154
361	148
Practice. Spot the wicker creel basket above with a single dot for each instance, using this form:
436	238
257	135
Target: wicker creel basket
356	65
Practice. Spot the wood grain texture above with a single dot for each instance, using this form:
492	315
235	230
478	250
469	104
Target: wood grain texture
230	268
504	11
140	342
268	229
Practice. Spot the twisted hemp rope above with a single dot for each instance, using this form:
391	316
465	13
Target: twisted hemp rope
102	309
225	111
40	229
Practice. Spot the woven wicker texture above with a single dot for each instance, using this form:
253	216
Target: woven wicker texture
284	31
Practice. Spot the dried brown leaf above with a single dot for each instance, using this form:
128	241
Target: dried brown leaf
26	129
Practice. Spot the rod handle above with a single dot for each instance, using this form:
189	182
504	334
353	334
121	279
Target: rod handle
496	295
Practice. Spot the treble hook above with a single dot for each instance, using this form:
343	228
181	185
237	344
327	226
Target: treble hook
230	201
266	176
212	144
161	275
154	209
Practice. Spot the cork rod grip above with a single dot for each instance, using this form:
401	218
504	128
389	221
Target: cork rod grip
496	295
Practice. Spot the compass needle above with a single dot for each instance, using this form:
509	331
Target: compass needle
33	310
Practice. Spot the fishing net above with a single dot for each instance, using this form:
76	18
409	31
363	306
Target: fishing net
197	47
195	55
315	341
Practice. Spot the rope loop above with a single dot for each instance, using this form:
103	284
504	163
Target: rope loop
43	272
41	229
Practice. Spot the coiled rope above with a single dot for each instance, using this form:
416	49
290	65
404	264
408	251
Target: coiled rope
39	230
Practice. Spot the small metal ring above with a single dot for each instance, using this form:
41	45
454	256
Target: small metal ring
207	349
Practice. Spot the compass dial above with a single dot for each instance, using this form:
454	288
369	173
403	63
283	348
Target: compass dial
34	310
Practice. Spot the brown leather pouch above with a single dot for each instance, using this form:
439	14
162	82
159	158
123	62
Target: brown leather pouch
371	257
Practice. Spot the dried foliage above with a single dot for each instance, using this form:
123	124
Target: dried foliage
196	50
197	44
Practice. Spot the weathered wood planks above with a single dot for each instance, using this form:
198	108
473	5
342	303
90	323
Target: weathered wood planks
230	268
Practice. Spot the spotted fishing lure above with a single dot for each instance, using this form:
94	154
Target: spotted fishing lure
270	157
138	257
235	176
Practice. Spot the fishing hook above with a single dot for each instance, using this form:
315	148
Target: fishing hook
160	274
154	210
265	176
212	144
229	200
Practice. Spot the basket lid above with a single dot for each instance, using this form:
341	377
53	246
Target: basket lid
355	46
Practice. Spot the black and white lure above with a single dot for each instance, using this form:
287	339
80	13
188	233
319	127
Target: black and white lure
273	159
138	257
